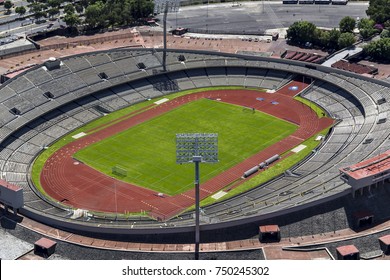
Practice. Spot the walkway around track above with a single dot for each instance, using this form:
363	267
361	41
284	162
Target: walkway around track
272	251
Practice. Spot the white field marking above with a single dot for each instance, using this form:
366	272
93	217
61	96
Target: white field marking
219	194
298	148
77	136
161	101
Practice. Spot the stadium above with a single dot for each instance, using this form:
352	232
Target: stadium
55	116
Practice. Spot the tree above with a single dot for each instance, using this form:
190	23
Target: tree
53	11
347	24
38	9
94	15
39	15
366	23
114	17
301	32
346	40
103	13
379	50
84	3
79	8
141	8
54	3
69	9
385	33
320	37
334	36
21	10
72	20
8	5
379	10
325	39
366	28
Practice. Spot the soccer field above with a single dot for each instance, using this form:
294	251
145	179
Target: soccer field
148	151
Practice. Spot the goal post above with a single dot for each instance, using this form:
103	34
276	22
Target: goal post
248	109
119	171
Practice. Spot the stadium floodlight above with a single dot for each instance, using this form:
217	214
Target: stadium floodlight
166	6
197	148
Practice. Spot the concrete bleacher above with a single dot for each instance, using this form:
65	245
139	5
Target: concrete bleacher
111	70
77	88
98	59
76	64
64	70
119	54
182	80
29	148
255	77
5	115
236	76
16	123
149	60
146	89
54	87
42	140
199	77
20	84
84	91
86	116
117	103
217	76
19	103
72	82
90	76
35	96
163	83
70	124
127	93
39	76
109	98
6	92
127	65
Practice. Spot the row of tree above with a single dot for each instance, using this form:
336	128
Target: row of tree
105	13
100	14
306	33
303	32
379	11
379	50
93	13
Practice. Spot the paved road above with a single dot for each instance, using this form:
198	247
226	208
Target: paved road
254	16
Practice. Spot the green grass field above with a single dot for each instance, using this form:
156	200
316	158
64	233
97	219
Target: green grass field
147	151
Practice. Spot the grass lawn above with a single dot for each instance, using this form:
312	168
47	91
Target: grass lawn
147	151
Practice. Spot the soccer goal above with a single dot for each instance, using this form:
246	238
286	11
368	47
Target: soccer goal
248	109
119	171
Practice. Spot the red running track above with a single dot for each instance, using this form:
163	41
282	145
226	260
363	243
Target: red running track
80	186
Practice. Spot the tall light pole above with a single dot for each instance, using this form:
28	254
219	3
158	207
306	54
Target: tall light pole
197	148
165	37
168	6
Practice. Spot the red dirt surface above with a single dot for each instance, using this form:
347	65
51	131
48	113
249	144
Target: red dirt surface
78	185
